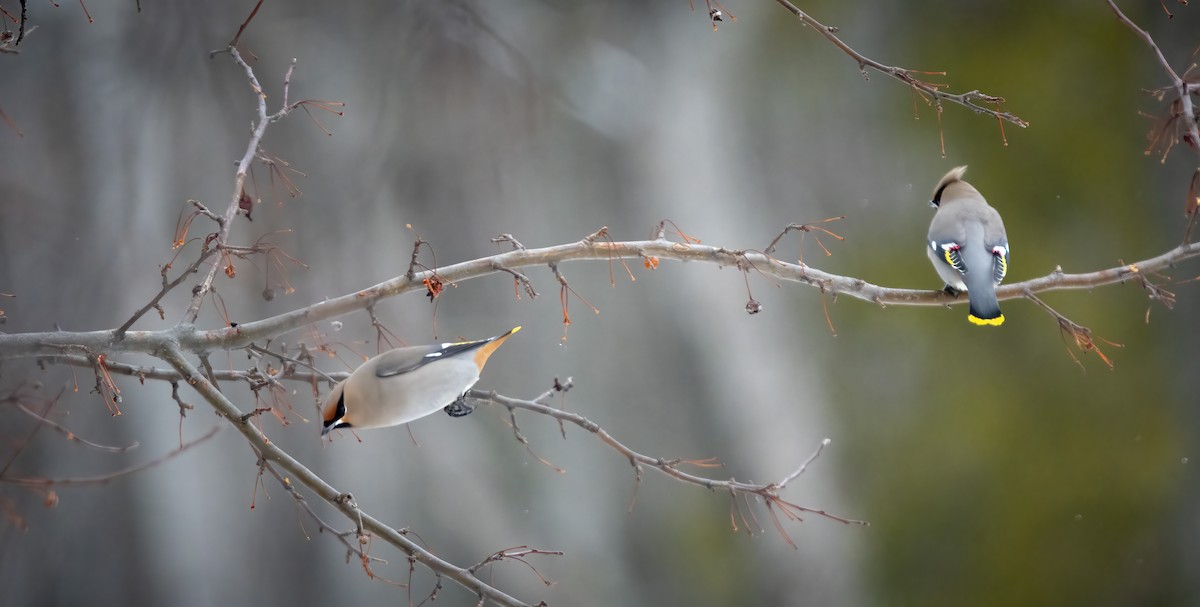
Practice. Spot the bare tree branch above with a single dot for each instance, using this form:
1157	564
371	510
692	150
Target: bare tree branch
270	452
71	436
804	466
1183	88
175	344
166	288
198	341
142	373
669	467
966	100
352	548
30	481
239	181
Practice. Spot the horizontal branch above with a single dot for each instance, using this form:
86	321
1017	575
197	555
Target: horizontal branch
197	341
160	374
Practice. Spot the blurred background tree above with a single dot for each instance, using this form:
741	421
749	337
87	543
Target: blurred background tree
993	468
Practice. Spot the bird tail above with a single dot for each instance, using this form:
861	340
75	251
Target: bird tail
981	291
987	312
490	345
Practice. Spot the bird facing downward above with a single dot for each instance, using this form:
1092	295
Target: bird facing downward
406	384
968	246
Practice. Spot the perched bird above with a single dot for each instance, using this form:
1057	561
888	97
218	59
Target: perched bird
968	246
409	383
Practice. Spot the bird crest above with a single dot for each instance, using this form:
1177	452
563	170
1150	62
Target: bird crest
955	175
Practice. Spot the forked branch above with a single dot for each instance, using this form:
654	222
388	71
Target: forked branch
669	467
270	452
968	100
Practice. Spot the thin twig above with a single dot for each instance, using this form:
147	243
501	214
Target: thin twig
520	280
506	237
166	288
1180	115
669	467
238	36
29	481
518	554
292	361
791	477
239	180
967	100
1079	334
352	548
16	453
70	434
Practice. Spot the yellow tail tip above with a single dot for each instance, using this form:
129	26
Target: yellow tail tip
984	322
485	351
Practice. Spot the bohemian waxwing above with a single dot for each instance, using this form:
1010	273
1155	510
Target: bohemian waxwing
968	246
409	383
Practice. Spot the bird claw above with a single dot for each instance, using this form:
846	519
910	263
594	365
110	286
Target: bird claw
951	291
458	408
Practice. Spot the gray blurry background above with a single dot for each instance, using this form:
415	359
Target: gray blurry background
994	470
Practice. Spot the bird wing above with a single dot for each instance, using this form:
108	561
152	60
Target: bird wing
999	262
947	235
404	360
950	253
995	240
407	360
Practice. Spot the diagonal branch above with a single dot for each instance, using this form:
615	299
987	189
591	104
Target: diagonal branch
1182	87
270	452
1179	122
1082	336
966	100
166	288
352	549
804	466
239	182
